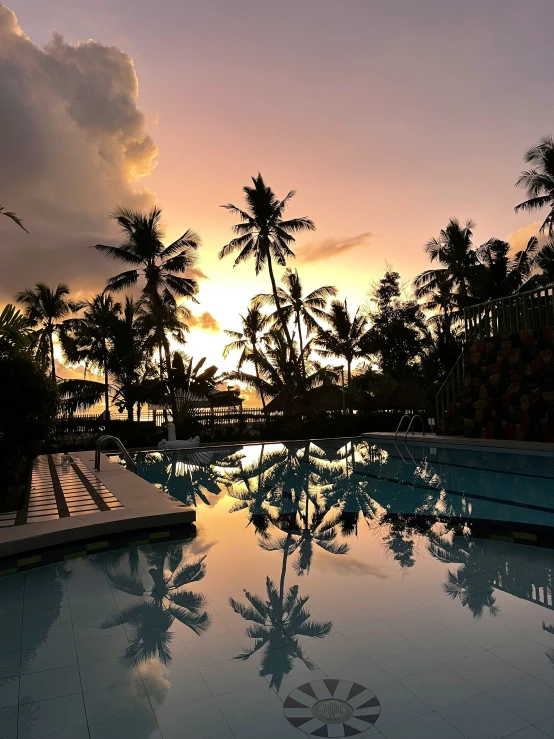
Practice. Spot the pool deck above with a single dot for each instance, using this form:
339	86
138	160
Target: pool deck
438	440
79	503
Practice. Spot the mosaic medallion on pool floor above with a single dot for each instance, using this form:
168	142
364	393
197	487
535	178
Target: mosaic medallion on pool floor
332	708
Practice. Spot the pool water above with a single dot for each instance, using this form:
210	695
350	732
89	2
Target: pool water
310	603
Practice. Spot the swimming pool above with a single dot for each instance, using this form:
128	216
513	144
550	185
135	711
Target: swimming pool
309	603
361	479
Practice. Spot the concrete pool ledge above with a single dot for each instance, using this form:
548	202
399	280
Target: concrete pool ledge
431	439
144	507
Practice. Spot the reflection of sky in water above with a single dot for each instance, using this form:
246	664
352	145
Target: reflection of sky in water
298	573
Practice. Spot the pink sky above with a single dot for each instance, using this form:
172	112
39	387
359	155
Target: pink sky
387	116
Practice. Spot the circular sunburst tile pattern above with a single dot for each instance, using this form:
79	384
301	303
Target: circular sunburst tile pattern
333	708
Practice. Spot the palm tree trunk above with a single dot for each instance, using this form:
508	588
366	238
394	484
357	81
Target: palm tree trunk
51	340
302	362
130	411
170	384
258	373
106	388
284	569
278	304
349	373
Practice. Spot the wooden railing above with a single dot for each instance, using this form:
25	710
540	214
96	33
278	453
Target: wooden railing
519	312
449	390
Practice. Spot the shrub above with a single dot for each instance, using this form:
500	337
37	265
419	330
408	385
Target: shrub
28	409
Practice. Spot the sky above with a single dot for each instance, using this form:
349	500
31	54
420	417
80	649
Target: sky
388	117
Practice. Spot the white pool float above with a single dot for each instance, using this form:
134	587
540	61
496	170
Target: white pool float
172	443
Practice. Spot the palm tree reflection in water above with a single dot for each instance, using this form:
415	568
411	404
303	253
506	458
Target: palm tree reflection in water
164	601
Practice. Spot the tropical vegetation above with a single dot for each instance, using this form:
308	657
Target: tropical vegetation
300	348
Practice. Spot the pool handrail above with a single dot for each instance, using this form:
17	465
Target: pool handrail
412	419
119	444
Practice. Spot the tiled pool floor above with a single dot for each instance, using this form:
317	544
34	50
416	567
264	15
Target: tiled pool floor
448	637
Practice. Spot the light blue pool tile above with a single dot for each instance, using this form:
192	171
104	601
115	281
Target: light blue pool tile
10	664
202	719
58	715
106	673
431	726
250	706
92	629
8	722
481	717
39	686
119	701
101	648
48	658
178	688
12	588
71	734
234	674
9	691
208	651
133	727
11	614
46	618
34	603
10	641
58	633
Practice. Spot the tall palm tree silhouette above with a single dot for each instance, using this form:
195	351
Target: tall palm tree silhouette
254	324
342	338
47	309
164	600
264	235
539	181
163	269
88	338
470	584
299	307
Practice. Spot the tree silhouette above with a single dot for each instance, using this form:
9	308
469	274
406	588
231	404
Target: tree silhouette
539	181
164	600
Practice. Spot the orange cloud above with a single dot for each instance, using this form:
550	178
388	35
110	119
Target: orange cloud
205	322
332	247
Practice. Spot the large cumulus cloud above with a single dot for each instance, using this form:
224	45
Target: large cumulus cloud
73	145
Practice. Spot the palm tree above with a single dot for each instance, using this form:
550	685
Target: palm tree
130	348
263	235
88	338
13	216
455	252
47	309
503	274
342	339
14	328
539	181
161	267
296	306
279	373
164	600
253	326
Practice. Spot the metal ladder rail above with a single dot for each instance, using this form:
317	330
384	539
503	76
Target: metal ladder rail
410	426
406	415
119	444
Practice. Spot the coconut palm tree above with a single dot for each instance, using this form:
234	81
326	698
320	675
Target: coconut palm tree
165	600
455	252
539	181
504	274
279	373
14	328
46	310
13	216
130	348
254	324
161	268
88	338
299	307
263	235
342	339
